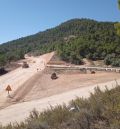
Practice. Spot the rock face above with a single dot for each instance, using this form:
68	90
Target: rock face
2	71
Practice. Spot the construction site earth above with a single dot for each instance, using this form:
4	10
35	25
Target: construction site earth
39	82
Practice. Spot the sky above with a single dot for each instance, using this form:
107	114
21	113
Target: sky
19	18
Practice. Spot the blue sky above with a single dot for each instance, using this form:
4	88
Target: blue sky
19	18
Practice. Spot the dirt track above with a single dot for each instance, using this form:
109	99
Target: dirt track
18	77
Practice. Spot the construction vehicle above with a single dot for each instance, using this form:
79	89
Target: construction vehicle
53	76
25	65
92	72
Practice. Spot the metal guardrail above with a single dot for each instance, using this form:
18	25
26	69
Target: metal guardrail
62	67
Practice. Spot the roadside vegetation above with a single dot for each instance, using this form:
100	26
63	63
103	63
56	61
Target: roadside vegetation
100	111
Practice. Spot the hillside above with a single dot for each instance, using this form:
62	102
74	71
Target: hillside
73	40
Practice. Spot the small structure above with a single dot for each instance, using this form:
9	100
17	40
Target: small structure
54	76
8	89
25	65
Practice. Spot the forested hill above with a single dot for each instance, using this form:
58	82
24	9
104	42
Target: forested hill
74	39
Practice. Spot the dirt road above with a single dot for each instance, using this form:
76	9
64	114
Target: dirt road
19	76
